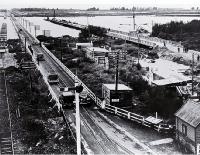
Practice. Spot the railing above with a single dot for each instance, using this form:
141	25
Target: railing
137	39
153	39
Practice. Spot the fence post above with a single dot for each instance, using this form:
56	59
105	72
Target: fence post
129	115
115	110
143	120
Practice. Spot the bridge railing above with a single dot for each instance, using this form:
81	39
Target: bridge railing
135	39
153	39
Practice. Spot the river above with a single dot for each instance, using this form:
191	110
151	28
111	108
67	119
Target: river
123	23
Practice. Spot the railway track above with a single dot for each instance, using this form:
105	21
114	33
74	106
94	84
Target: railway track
6	135
107	145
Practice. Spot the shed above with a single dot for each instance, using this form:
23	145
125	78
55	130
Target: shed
83	45
99	55
3	50
120	98
153	120
188	125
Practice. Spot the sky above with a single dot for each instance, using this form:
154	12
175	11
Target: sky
102	4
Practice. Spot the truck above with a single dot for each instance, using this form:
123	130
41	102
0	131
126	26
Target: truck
53	78
67	99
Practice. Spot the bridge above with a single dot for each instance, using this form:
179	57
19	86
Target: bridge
69	24
148	41
134	37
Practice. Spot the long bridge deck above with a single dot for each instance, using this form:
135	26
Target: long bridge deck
133	37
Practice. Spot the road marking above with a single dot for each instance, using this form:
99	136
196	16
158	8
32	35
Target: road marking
161	141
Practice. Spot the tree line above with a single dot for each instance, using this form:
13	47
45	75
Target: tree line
187	33
176	27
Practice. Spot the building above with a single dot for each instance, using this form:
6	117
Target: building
3	50
120	98
99	55
83	45
188	125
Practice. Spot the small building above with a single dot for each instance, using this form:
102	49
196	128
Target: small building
188	125
83	45
99	55
120	98
3	50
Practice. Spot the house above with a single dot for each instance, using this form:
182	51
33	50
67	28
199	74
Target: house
99	55
188	125
120	98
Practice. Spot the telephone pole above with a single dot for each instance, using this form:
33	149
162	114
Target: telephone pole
78	126
133	20
117	74
192	73
25	45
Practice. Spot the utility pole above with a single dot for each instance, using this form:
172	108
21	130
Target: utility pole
88	28
35	30
133	20
25	45
26	24
78	89
78	126
30	27
61	49
192	73
117	74
138	49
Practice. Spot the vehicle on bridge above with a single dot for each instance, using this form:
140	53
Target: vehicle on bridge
53	78
67	99
40	57
35	43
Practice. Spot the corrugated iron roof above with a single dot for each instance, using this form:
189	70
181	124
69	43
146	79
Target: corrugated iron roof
153	120
97	49
120	87
190	113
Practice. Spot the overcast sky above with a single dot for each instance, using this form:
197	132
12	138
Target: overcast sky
84	4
